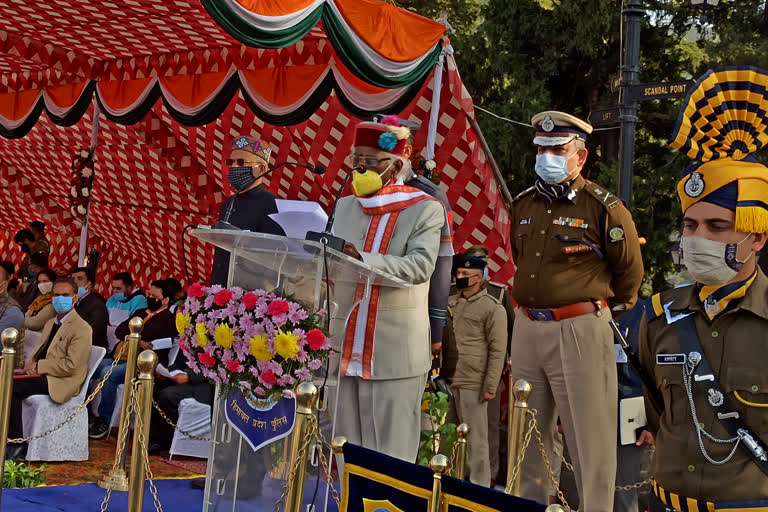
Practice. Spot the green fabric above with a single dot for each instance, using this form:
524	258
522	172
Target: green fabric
247	34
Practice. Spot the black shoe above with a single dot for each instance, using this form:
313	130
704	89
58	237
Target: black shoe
155	448
15	451
98	429
198	483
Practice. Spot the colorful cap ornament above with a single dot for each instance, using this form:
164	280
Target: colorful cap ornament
388	135
251	145
722	123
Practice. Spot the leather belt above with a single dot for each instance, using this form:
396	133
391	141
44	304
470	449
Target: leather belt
683	504
565	312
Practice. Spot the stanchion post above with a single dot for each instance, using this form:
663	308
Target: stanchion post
9	338
146	362
518	411
306	395
462	432
440	466
118	480
554	508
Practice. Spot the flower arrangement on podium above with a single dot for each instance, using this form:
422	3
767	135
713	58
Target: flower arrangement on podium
257	347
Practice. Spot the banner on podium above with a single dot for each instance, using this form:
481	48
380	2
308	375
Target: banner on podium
260	420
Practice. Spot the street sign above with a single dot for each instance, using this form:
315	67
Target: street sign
660	90
607	117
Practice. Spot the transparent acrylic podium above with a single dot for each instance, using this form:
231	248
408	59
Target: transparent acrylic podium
319	278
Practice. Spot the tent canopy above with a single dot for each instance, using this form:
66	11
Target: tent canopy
171	83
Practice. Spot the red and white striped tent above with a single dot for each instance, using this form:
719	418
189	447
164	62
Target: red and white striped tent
171	82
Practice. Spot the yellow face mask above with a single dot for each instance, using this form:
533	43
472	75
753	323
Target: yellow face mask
369	182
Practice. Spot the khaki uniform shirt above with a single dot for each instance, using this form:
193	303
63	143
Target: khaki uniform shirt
479	338
734	344
587	214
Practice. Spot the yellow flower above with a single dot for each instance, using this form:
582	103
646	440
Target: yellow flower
224	335
286	344
182	322
201	334
260	348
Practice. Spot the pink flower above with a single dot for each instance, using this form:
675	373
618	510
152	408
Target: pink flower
196	291
206	359
302	356
314	364
268	378
316	339
277	307
222	297
303	374
249	300
259	391
286	380
234	366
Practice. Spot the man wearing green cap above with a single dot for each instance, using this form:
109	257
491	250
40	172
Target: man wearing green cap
704	344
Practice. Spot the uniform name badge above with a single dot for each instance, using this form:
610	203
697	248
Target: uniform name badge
670	358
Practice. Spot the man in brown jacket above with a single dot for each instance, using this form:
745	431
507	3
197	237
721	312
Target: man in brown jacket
480	334
59	366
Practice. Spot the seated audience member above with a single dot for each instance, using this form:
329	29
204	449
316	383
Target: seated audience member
25	240
41	244
37	263
159	324
60	364
40	311
11	314
124	302
91	306
177	293
13	284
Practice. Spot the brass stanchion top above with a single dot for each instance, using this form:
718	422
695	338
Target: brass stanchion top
9	338
440	464
136	325
462	431
338	444
522	391
306	395
554	508
146	362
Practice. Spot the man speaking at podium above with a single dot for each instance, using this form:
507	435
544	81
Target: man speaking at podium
252	203
386	356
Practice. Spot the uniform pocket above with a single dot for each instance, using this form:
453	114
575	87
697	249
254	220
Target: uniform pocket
751	385
669	379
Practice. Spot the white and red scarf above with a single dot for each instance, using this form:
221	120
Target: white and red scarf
384	207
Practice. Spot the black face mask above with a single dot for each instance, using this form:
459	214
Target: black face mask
154	304
462	283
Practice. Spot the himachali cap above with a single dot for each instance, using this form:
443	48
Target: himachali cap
387	135
721	124
251	145
555	128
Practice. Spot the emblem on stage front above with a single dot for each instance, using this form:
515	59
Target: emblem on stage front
379	506
694	185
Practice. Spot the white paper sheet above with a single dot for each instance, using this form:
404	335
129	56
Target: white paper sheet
162	343
163	371
298	217
631	417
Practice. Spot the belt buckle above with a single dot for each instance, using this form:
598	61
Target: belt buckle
541	315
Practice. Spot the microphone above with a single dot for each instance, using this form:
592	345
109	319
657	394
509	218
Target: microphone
326	237
225	224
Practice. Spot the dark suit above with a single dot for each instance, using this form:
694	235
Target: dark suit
93	309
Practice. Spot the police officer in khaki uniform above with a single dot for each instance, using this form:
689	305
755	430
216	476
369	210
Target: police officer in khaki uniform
479	343
500	293
704	344
578	260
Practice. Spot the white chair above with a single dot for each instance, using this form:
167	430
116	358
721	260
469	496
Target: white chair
40	413
195	418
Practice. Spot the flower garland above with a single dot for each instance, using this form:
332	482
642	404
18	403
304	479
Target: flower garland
426	168
81	185
255	341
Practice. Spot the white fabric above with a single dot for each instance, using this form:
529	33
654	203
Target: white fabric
195	418
114	421
434	113
31	342
274	23
40	413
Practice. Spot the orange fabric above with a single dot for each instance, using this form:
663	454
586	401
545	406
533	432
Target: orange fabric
274	7
285	85
65	96
357	83
120	94
17	105
192	90
394	33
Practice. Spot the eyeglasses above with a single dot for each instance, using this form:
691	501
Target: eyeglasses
369	162
240	162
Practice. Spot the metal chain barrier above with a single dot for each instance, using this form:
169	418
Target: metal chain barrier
122	442
310	436
320	439
545	458
79	410
526	442
175	426
143	443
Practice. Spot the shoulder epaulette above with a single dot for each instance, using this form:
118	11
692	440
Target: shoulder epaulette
493	298
655	308
524	192
608	200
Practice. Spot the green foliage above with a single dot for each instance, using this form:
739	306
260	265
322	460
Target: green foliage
441	437
18	475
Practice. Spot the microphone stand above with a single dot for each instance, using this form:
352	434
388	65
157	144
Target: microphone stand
326	238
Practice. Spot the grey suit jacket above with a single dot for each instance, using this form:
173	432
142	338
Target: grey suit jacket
401	339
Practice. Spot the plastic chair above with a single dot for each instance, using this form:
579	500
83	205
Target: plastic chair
195	418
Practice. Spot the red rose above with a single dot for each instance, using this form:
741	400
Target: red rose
233	366
315	339
268	377
222	298
249	300
195	291
277	307
206	358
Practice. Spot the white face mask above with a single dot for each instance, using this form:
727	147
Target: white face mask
45	287
553	168
710	262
